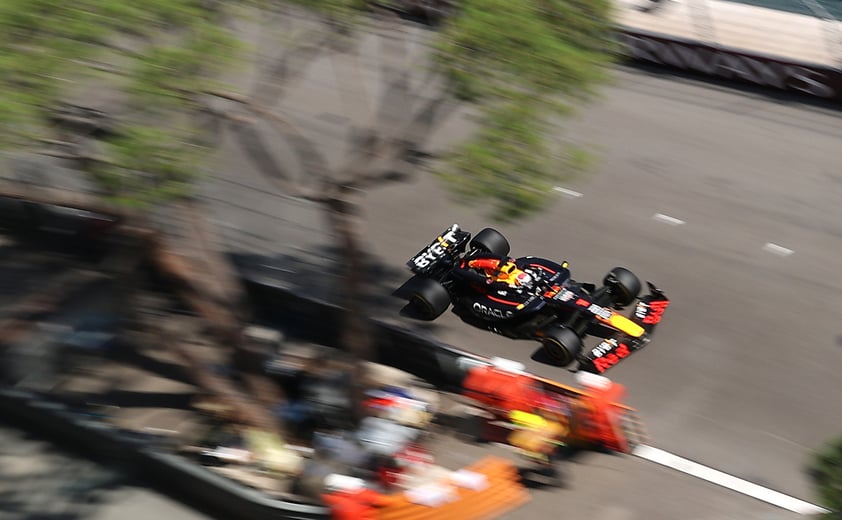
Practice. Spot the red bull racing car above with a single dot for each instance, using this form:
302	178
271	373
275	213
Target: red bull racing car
531	298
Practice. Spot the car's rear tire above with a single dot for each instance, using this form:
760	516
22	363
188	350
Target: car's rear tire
623	286
429	299
563	345
491	241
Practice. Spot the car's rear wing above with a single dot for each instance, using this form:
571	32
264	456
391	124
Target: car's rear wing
448	244
610	351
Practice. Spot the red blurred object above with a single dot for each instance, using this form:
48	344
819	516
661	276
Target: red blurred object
595	413
359	504
410	458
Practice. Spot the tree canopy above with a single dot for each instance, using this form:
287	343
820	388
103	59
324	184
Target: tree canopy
523	63
526	63
153	56
826	470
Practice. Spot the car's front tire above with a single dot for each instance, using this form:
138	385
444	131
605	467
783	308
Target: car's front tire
429	299
623	286
563	345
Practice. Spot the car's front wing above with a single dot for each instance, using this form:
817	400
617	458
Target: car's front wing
611	350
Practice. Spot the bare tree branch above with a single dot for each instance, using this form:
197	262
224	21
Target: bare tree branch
394	65
69	199
312	161
289	66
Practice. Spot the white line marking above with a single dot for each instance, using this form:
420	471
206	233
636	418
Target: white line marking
568	193
777	250
725	480
666	219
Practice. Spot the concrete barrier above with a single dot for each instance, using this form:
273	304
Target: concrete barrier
311	319
745	42
729	63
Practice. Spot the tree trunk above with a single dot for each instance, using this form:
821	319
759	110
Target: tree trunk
356	333
200	275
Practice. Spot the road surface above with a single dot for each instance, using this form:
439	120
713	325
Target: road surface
37	480
730	202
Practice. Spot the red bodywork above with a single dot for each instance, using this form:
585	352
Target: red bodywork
597	412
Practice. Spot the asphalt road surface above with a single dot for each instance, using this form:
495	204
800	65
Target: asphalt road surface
730	202
38	481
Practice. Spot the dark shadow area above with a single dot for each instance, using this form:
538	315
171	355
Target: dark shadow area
780	96
552	477
132	357
540	355
131	399
318	274
84	493
63	486
432	13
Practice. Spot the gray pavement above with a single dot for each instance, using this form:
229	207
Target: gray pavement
39	481
742	374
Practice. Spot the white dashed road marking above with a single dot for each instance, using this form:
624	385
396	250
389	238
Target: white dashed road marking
568	193
666	219
777	250
725	480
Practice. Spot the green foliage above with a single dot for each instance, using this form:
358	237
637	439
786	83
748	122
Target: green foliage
160	52
525	63
149	164
542	48
827	475
508	163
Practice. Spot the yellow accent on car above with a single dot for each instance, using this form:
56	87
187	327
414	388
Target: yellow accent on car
618	321
527	420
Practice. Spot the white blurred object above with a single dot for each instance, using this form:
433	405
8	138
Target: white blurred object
337	482
590	380
469	480
508	365
432	495
230	454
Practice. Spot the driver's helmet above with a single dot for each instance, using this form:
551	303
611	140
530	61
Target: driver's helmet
514	276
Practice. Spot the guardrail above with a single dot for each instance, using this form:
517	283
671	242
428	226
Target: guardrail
315	320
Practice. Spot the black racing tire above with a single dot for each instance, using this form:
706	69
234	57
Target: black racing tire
623	286
563	345
491	241
429	299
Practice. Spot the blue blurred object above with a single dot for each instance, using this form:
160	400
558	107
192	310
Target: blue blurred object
95	332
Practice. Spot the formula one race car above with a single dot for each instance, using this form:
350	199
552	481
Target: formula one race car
531	298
